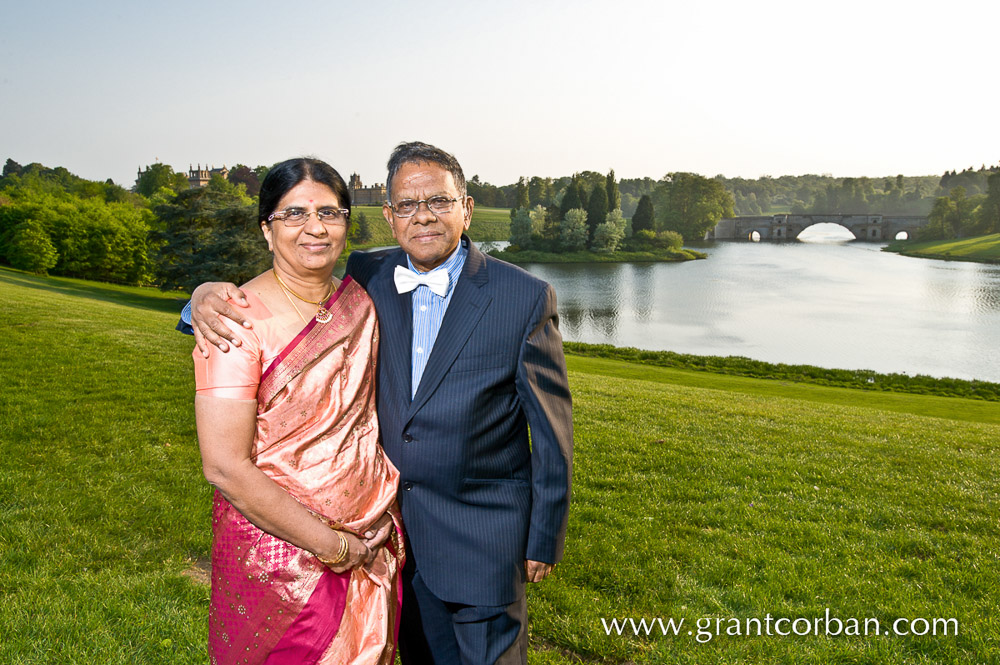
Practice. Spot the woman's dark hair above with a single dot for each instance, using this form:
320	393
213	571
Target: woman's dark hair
287	174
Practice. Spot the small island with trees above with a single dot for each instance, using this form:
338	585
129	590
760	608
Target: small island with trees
585	222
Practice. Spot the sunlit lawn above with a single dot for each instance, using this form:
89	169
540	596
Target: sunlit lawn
695	495
981	248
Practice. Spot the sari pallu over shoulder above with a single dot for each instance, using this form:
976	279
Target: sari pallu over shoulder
317	437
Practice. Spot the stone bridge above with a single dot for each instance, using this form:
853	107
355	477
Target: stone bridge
872	228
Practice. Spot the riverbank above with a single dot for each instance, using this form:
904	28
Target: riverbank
697	496
983	249
861	379
657	256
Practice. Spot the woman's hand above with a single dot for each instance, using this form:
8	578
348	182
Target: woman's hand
379	532
209	302
357	555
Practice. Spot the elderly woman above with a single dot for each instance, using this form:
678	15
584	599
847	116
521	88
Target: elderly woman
306	551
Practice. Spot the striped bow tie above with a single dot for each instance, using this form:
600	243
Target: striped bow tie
407	280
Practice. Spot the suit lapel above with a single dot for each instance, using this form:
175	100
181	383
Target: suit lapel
396	325
467	306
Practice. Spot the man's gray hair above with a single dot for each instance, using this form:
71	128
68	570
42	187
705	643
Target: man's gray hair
416	152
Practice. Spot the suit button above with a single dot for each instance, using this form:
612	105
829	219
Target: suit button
407	486
407	437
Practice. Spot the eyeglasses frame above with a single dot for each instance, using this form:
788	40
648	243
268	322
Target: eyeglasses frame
426	202
281	214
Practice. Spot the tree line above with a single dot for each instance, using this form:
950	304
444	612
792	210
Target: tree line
53	221
959	215
162	231
958	204
805	194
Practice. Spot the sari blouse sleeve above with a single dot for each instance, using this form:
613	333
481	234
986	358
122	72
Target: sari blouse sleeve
232	375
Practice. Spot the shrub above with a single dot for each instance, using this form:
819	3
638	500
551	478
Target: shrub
573	231
30	248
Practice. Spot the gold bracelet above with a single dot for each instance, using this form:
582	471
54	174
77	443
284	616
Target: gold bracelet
341	555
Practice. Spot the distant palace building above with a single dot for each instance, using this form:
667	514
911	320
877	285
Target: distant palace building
365	196
200	177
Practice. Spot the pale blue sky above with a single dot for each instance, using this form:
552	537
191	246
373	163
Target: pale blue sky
512	88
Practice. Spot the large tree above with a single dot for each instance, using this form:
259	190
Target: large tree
520	228
953	215
691	204
939	221
597	210
241	174
643	217
614	196
209	234
522	195
539	191
572	199
989	212
30	248
485	194
361	228
11	168
158	176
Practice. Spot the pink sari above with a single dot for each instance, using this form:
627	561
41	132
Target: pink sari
317	437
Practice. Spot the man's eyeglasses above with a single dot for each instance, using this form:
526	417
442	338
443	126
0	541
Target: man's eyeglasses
298	217
436	204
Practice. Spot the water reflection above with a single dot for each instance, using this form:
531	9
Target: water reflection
579	312
642	286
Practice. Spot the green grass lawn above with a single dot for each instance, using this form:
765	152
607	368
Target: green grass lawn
696	496
487	224
985	249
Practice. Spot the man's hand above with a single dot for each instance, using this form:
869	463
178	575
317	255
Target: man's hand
210	301
379	532
537	571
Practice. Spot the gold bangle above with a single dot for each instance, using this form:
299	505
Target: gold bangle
341	555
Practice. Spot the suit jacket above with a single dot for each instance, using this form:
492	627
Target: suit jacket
477	499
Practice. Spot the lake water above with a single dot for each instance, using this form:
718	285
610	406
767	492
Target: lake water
822	302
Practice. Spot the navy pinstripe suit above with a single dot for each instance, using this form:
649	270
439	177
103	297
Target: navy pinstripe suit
477	500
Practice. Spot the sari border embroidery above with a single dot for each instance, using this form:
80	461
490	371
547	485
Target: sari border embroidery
315	340
305	331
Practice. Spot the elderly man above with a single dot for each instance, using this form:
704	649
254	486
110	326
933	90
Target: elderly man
470	360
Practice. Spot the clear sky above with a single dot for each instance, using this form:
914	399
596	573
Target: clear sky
512	88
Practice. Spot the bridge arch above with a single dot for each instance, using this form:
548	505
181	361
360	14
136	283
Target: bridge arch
781	227
826	231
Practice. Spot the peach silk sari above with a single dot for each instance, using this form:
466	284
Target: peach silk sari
317	437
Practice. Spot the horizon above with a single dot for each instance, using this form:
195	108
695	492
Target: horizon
367	183
515	89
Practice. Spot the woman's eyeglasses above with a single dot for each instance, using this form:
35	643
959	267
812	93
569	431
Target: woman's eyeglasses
298	217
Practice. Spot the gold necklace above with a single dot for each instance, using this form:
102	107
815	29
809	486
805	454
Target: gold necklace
323	315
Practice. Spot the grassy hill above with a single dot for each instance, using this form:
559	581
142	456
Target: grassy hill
985	249
697	496
487	224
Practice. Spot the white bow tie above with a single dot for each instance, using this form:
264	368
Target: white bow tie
407	280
